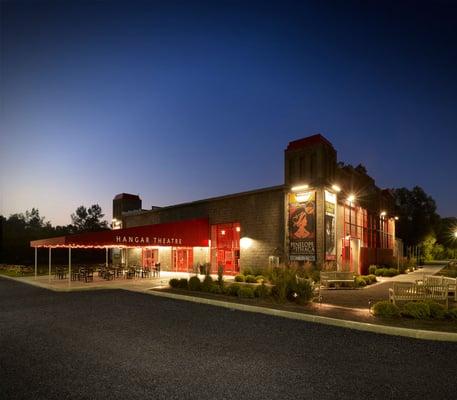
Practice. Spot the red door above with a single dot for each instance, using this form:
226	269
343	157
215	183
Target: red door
183	259
150	257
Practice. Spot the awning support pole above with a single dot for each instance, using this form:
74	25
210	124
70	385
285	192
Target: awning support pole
106	258
69	265
36	265
49	272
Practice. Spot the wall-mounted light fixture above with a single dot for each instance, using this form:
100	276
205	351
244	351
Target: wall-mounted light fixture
299	187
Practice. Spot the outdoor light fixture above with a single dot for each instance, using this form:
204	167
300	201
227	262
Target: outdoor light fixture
383	213
336	188
351	198
222	232
238	229
455	234
348	237
300	187
246	243
396	218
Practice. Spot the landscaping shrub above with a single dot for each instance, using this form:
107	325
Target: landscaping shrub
360	281
372	278
386	309
207	283
233	289
391	272
437	310
220	275
380	271
246	292
174	283
262	291
250	279
302	291
217	289
240	278
183	283
247	271
372	269
452	314
195	284
260	278
315	275
417	310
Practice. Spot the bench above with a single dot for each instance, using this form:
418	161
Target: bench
408	291
337	277
441	280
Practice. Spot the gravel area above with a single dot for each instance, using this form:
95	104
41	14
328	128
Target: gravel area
115	344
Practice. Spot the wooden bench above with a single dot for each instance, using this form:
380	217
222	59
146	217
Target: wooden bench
408	291
336	277
441	280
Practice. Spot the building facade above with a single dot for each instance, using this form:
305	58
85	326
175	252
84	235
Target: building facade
326	213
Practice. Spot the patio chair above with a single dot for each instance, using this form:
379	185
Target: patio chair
130	273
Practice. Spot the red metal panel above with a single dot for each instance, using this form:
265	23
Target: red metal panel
182	233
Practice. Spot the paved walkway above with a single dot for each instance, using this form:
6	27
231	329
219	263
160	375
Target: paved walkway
135	284
360	298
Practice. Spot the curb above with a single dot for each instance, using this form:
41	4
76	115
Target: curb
360	326
341	323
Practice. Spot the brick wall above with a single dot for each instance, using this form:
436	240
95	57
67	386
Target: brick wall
260	214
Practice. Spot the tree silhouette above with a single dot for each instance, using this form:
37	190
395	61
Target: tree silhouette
88	219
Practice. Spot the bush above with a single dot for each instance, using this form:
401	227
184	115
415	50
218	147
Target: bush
246	292
240	278
207	283
174	283
233	289
360	281
380	271
260	278
372	269
315	275
372	278
183	283
366	279
437	311
217	289
220	275
247	271
195	284
452	314
391	272
417	310
302	291
250	279
386	309
262	291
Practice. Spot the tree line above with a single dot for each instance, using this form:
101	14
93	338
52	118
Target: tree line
19	229
420	225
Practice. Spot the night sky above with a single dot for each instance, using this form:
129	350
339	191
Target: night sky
179	101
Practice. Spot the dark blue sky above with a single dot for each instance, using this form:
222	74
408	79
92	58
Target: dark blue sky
181	100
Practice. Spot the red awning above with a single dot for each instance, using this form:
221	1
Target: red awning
190	233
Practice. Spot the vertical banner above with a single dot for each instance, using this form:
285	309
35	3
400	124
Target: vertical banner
302	226
330	229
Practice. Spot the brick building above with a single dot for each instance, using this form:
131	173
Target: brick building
327	213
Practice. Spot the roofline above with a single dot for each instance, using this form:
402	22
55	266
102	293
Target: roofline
227	196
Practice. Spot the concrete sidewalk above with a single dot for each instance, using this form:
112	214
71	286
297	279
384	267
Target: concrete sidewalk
360	298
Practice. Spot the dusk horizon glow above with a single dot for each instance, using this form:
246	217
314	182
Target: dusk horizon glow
180	102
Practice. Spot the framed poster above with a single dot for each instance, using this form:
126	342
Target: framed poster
302	226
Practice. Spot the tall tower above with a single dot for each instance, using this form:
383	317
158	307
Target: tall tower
310	161
125	202
309	172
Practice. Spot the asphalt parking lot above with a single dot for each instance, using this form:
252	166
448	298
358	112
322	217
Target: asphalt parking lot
114	344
